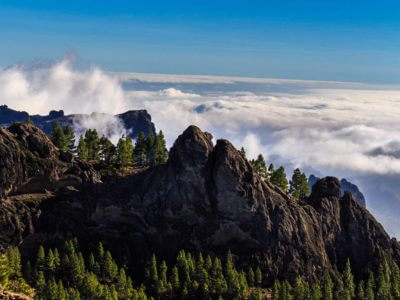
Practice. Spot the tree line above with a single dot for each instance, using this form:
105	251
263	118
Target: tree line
68	274
297	187
147	151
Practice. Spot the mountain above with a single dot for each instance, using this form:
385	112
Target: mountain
345	186
134	121
206	197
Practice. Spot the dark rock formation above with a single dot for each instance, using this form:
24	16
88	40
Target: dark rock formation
205	198
30	172
345	186
134	121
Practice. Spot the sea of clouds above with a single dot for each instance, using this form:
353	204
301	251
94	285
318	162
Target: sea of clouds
348	130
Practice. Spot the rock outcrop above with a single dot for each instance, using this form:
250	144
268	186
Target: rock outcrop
134	121
206	198
32	170
345	186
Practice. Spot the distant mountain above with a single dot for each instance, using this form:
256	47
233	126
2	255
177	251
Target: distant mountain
345	186
134	121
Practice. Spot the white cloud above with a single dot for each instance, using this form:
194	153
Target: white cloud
344	129
60	86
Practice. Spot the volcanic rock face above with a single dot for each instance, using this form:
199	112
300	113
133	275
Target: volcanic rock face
205	198
134	121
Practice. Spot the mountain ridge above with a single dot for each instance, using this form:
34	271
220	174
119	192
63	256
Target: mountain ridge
205	198
133	121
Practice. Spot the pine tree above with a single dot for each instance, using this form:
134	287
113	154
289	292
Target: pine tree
4	270
217	277
278	178
121	282
271	170
299	289
61	291
150	147
107	151
396	282
285	291
327	286
258	277
40	283
299	187
82	149
14	262
316	291
93	144
259	166
140	150
152	275
57	261
163	274
348	281
251	277
383	280
369	291
339	293
160	150
50	266
40	260
110	269
360	294
276	289
175	278
58	138
100	253
243	286
125	152
231	275
69	138
204	291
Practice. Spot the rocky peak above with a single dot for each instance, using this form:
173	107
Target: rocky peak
34	139
191	149
326	188
345	186
56	114
30	163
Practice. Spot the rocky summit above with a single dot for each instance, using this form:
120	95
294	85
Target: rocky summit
345	186
206	197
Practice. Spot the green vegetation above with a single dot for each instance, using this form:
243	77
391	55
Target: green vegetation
259	166
278	177
150	151
63	137
298	186
69	274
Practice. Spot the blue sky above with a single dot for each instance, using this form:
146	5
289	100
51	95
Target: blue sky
324	40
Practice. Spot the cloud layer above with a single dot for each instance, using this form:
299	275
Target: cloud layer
329	128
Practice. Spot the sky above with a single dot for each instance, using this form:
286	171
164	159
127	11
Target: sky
317	40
